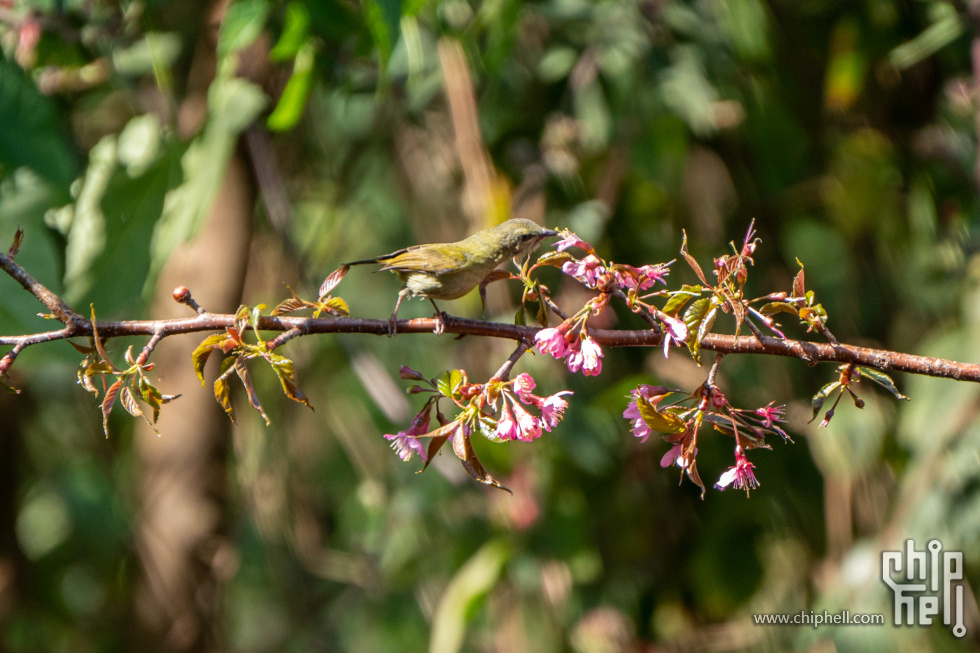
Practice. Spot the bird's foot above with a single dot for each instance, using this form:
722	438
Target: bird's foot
441	318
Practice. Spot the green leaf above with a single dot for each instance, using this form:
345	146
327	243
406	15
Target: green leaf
456	607
296	27
680	298
223	396
883	380
34	135
662	421
771	308
204	350
292	102
233	104
448	383
699	318
557	259
283	367
253	399
818	399
242	24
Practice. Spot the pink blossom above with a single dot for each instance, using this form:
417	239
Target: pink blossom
523	385
675	333
551	341
591	354
571	240
632	412
575	358
740	476
507	428
675	456
642	278
403	442
587	270
553	409
770	414
529	426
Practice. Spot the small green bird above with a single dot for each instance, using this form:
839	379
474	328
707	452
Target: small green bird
450	270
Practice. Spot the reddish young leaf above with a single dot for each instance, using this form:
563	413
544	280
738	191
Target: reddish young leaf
692	262
15	246
333	279
463	448
129	402
108	402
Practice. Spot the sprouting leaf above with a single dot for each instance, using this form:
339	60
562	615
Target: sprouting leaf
463	449
818	399
222	395
557	259
542	316
691	261
283	367
799	286
80	348
204	350
883	380
519	316
448	383
333	279
253	399
699	318
771	308
680	298
662	421
334	306
692	473
129	402
15	246
108	402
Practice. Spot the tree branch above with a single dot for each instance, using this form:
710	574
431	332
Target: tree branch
811	352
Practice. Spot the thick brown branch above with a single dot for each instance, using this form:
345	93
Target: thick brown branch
811	352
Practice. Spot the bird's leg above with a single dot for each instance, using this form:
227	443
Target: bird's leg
440	319
393	322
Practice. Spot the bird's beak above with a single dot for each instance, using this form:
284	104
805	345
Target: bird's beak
548	233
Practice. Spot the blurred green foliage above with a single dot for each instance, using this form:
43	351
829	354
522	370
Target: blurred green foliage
846	129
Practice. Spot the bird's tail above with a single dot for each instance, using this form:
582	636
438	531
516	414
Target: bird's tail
363	261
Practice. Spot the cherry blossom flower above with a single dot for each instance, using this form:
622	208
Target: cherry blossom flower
529	426
552	341
675	456
741	476
676	332
571	240
591	355
553	409
587	270
403	442
507	427
523	385
641	278
632	412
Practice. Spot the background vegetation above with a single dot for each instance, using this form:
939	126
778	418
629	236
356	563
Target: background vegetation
288	137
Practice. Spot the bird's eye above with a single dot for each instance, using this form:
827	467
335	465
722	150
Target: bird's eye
527	236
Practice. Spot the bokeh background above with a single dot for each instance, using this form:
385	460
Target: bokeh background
237	148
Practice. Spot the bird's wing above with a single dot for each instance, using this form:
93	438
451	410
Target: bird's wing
421	258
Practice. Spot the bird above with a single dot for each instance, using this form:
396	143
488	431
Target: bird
451	270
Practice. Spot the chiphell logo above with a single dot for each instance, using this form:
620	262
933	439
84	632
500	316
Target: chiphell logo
928	576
